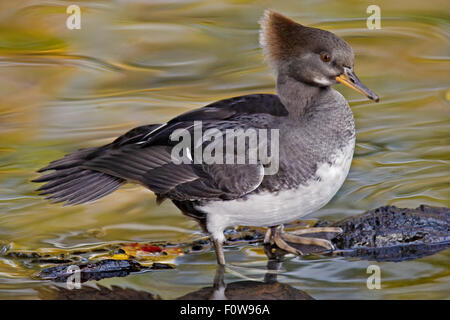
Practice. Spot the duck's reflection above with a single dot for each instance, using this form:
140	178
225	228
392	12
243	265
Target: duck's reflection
268	289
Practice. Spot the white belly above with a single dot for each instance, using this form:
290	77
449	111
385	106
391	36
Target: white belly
269	209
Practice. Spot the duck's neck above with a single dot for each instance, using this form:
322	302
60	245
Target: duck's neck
297	96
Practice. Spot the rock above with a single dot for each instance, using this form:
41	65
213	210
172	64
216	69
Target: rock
251	290
91	271
384	234
395	234
91	293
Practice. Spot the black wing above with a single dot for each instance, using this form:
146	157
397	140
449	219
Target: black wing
143	155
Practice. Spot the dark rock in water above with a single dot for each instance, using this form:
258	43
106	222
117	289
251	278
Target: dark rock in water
395	253
98	270
91	293
92	271
268	289
250	290
386	234
394	234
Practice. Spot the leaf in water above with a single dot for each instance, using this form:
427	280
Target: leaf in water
151	252
120	256
149	248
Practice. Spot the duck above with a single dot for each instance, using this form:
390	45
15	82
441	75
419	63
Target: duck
308	127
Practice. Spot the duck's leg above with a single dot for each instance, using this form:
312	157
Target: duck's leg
218	246
267	244
281	238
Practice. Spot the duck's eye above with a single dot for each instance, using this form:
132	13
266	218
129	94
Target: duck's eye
325	57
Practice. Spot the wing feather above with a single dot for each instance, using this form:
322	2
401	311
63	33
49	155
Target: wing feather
143	155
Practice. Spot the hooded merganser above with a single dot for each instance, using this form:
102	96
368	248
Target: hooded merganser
316	144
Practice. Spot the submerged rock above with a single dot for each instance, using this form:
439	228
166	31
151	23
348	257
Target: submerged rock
98	270
91	271
394	234
250	290
384	234
91	293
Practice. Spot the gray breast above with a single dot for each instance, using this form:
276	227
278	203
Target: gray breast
325	128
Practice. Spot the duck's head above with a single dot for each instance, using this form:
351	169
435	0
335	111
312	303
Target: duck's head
309	55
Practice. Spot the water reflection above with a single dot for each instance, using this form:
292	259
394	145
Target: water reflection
268	289
139	62
386	234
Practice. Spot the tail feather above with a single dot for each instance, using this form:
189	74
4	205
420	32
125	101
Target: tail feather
56	174
64	180
73	184
71	160
107	188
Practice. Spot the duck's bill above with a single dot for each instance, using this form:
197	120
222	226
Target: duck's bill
349	79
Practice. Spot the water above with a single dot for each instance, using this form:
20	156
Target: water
138	62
